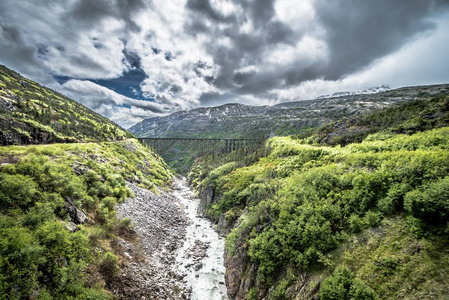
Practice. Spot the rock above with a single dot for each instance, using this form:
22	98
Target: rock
137	179
70	226
79	168
76	215
223	226
198	267
149	268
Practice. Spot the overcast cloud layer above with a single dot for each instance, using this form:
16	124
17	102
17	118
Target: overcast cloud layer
133	59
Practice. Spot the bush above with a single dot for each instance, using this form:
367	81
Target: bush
342	284
394	199
17	190
337	285
359	291
109	264
355	223
431	204
20	258
372	219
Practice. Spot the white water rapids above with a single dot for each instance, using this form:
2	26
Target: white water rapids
206	282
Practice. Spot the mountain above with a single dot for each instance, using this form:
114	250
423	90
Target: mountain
370	91
33	114
238	120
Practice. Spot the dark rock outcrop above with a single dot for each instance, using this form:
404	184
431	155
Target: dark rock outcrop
240	274
76	215
206	198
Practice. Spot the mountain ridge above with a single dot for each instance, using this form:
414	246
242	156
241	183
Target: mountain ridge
238	120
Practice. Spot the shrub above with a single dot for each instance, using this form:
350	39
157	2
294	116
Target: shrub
431	204
337	285
359	291
342	284
394	199
20	258
109	264
372	219
355	223
17	190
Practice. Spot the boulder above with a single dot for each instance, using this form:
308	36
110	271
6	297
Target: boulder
76	215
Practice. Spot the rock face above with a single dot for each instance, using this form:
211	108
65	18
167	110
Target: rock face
149	268
240	274
207	197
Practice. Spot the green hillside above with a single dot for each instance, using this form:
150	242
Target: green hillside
33	114
45	249
58	224
357	209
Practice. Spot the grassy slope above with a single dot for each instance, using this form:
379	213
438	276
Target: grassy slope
31	114
38	254
301	207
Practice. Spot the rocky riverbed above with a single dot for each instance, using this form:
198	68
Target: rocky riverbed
177	254
201	256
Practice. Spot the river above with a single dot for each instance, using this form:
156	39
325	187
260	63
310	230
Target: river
201	256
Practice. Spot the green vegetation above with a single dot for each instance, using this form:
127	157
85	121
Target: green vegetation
407	118
43	254
341	284
32	114
297	206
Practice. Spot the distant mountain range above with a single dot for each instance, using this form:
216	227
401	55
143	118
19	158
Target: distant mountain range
374	90
238	120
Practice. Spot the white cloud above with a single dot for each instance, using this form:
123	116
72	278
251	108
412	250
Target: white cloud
110	103
419	62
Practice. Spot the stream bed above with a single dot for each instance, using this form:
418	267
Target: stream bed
201	256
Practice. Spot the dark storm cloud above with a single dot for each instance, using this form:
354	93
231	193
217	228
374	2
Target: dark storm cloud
205	8
356	34
261	11
17	52
247	47
214	99
90	12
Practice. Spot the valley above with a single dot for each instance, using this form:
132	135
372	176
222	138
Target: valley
348	201
224	150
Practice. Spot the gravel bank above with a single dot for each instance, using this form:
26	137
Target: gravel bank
149	270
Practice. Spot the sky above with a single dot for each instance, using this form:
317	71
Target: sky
134	59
